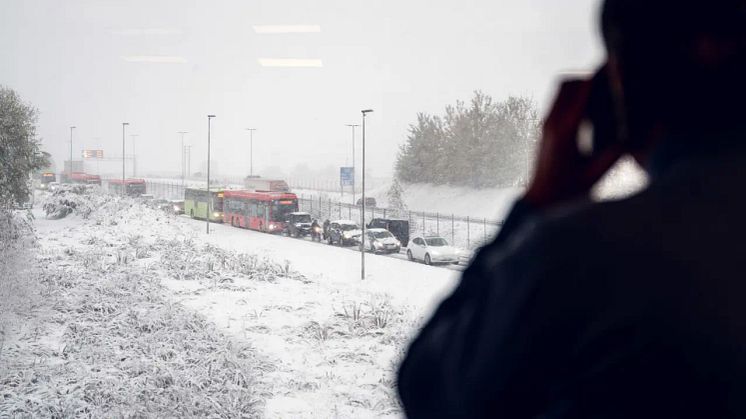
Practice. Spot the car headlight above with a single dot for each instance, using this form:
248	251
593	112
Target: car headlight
346	235
272	226
176	207
377	244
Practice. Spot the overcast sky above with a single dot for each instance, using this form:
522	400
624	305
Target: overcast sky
164	65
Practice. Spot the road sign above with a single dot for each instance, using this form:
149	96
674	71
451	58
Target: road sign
346	176
93	154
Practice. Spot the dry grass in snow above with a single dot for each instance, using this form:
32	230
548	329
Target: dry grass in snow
103	340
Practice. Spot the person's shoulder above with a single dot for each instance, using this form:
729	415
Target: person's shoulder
563	234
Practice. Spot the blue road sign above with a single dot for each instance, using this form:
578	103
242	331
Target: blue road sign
346	176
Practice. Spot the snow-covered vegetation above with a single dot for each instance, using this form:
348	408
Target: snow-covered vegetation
20	154
486	143
127	311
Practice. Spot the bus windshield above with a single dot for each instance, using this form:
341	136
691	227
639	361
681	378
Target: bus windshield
217	203
281	209
136	188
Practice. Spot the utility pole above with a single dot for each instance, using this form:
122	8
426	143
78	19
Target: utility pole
209	198
124	185
251	150
183	157
70	172
354	178
362	213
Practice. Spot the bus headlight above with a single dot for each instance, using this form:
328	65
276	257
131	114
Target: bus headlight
216	214
272	227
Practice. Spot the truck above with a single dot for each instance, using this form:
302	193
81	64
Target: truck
266	185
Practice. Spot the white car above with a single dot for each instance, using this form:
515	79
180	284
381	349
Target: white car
432	249
380	240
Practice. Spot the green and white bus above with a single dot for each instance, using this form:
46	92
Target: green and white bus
196	204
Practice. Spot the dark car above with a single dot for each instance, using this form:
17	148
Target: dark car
343	232
399	228
369	202
299	224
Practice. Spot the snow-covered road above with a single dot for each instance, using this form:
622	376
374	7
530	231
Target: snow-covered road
407	282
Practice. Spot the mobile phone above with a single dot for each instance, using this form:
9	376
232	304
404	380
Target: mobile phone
604	113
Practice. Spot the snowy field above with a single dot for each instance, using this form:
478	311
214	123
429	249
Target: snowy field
128	311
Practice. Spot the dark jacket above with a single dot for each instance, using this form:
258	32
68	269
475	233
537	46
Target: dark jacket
634	308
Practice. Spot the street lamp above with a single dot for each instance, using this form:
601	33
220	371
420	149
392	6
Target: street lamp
183	156
251	150
352	126
209	198
134	156
362	214
70	172
188	158
124	185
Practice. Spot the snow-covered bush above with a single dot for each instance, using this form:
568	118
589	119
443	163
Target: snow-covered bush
20	154
125	351
68	199
186	260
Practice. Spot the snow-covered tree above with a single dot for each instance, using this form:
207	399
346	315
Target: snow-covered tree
482	144
20	155
396	200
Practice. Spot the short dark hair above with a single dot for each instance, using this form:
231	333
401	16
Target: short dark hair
681	60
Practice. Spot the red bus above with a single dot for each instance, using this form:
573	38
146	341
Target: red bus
262	211
131	187
93	179
78	177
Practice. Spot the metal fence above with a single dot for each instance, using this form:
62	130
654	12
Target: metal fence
464	232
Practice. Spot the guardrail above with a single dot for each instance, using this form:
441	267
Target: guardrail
465	232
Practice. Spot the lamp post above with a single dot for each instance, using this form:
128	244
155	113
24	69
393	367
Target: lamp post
352	126
188	155
362	213
124	185
251	150
134	156
70	172
183	156
209	198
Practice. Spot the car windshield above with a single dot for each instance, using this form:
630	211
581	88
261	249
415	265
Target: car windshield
348	227
302	218
436	242
381	234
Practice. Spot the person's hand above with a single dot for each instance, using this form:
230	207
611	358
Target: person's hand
562	172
